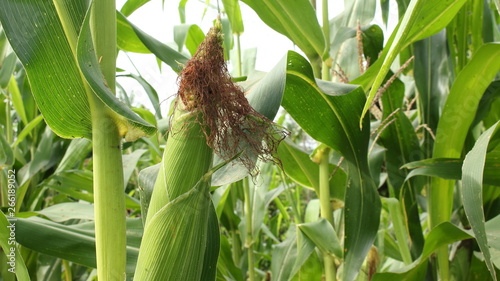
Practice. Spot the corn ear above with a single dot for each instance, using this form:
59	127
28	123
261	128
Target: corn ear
181	238
174	241
186	159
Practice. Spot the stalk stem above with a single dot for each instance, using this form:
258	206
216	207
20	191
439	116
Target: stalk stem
249	227
440	202
239	71
325	69
109	200
68	275
326	208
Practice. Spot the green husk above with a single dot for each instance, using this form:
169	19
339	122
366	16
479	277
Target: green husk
174	241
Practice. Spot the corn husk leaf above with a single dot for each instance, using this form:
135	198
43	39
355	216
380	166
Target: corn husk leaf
175	238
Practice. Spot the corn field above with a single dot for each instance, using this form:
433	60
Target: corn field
363	154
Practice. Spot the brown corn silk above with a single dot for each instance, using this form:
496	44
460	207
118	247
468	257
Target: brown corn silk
229	123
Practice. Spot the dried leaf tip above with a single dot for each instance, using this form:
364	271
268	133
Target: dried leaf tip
229	123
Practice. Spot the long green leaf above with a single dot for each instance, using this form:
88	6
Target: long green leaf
431	75
439	236
168	55
6	153
17	100
75	154
457	115
294	19
8	65
78	184
423	18
284	257
298	165
27	130
330	112
75	243
212	247
233	11
190	35
131	5
14	257
460	108
41	36
127	40
451	168
132	126
37	36
323	235
472	178
402	146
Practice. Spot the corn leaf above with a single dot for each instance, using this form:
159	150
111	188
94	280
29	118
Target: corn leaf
305	251
190	35
76	152
493	234
464	98
472	199
402	146
42	38
78	184
5	232
322	234
8	65
329	112
233	11
75	243
457	116
40	159
443	234
132	126
6	153
284	257
36	34
226	266
28	129
343	27
422	19
17	100
451	168
127	40
130	163
298	165
68	210
131	5
165	53
431	74
294	19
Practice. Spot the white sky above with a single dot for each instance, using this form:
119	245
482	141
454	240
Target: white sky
159	22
